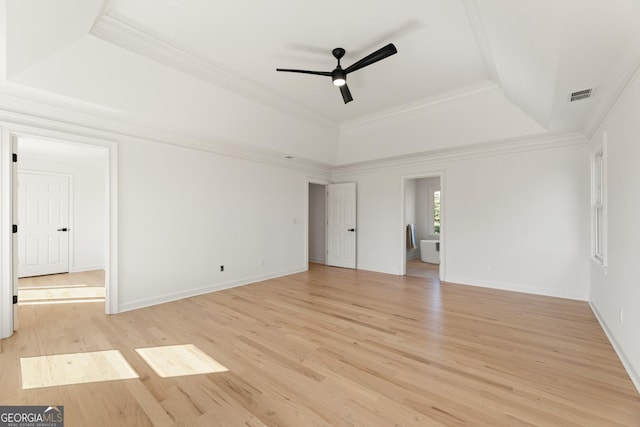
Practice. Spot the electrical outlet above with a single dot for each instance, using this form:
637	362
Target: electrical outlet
222	268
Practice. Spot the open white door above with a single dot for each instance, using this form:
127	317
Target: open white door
341	225
43	212
14	220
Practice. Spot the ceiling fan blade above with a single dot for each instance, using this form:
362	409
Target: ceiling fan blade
376	56
318	73
346	93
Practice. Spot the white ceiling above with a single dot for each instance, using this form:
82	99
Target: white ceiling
533	52
252	38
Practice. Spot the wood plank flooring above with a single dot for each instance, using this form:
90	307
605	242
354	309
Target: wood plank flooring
84	278
337	347
417	268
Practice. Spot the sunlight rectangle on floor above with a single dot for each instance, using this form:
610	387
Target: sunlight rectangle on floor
39	294
76	368
179	360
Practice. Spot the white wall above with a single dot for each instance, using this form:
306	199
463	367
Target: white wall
618	288
184	213
178	107
516	221
482	116
317	223
88	229
410	196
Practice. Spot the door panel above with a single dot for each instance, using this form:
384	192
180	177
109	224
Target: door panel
43	210
341	225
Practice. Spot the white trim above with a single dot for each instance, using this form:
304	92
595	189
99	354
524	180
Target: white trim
121	31
628	366
599	149
87	268
72	136
467	152
54	113
308	181
174	296
395	113
378	269
111	271
514	287
6	236
441	174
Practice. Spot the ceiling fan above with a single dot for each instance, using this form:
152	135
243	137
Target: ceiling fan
339	75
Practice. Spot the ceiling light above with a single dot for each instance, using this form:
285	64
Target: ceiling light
339	77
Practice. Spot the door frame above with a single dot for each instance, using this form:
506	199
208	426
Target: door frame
443	223
308	181
10	133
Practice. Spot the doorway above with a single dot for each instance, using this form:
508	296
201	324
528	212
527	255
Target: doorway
423	242
317	224
62	217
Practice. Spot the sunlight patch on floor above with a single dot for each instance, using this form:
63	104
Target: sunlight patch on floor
76	368
67	294
179	360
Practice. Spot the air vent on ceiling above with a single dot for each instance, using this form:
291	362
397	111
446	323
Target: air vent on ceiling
581	94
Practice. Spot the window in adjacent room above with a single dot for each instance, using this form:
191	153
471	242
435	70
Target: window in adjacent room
599	226
436	212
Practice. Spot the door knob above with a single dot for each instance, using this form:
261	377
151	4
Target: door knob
351	229
63	229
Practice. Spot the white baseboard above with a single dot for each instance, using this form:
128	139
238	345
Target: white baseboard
86	268
316	260
378	269
513	287
635	378
174	296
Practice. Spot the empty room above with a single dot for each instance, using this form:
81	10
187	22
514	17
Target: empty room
414	213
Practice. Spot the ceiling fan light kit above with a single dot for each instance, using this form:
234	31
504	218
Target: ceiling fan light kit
339	75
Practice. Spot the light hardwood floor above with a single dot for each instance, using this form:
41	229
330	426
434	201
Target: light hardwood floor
417	268
85	278
338	347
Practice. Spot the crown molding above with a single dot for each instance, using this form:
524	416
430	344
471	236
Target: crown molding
625	69
61	117
477	27
58	114
123	32
422	104
467	152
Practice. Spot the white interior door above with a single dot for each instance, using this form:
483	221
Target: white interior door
14	222
341	225
43	229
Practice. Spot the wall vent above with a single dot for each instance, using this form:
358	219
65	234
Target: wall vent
581	94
